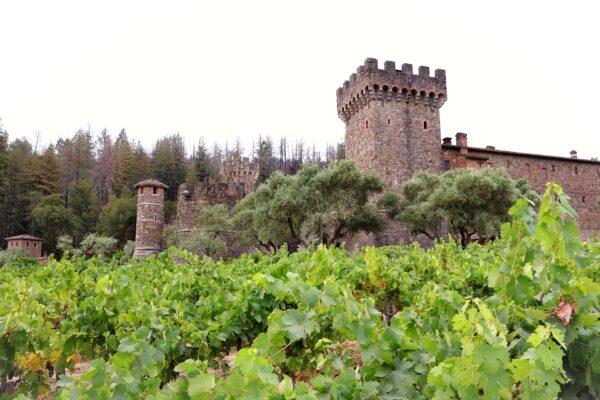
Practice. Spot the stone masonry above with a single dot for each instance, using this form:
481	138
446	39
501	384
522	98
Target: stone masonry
150	217
237	178
393	128
30	244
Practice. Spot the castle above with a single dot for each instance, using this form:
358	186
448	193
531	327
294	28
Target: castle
393	128
392	122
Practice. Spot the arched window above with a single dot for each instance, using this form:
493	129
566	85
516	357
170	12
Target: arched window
527	168
424	124
154	190
576	170
446	165
544	173
367	124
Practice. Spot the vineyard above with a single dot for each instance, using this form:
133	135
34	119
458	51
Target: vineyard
514	319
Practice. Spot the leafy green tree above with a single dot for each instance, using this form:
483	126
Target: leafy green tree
52	220
117	219
470	203
323	205
94	245
167	164
84	206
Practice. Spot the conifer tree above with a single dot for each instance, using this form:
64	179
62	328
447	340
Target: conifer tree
46	173
202	164
103	168
167	163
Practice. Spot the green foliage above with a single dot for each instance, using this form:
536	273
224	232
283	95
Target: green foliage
202	165
92	245
167	164
46	176
264	157
127	253
322	205
12	255
52	219
468	202
208	237
515	319
84	207
117	219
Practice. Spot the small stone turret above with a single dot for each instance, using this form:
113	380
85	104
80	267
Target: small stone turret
150	217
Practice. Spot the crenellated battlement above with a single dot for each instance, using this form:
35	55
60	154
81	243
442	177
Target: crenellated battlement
390	84
239	170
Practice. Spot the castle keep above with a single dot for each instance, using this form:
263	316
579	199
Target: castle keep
393	127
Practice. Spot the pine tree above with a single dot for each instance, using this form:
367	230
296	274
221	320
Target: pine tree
264	155
76	160
121	153
3	183
202	163
46	173
167	163
103	169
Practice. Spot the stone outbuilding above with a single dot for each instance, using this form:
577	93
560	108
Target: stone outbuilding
30	244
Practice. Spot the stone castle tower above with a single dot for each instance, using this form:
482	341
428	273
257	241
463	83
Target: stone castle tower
150	217
393	128
392	119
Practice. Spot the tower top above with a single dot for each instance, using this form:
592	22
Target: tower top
371	83
152	183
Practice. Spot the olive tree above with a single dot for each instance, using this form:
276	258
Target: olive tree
468	202
317	205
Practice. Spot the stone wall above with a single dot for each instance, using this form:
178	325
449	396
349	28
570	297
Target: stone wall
579	178
237	178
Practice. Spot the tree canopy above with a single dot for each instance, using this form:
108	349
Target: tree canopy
469	203
324	205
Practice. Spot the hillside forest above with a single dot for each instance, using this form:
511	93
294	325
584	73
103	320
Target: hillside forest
83	183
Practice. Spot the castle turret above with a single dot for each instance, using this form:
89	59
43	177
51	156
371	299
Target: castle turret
150	217
392	119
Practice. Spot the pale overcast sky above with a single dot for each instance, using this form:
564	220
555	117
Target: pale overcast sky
522	75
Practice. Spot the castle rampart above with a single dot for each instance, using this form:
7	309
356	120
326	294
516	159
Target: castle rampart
389	84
